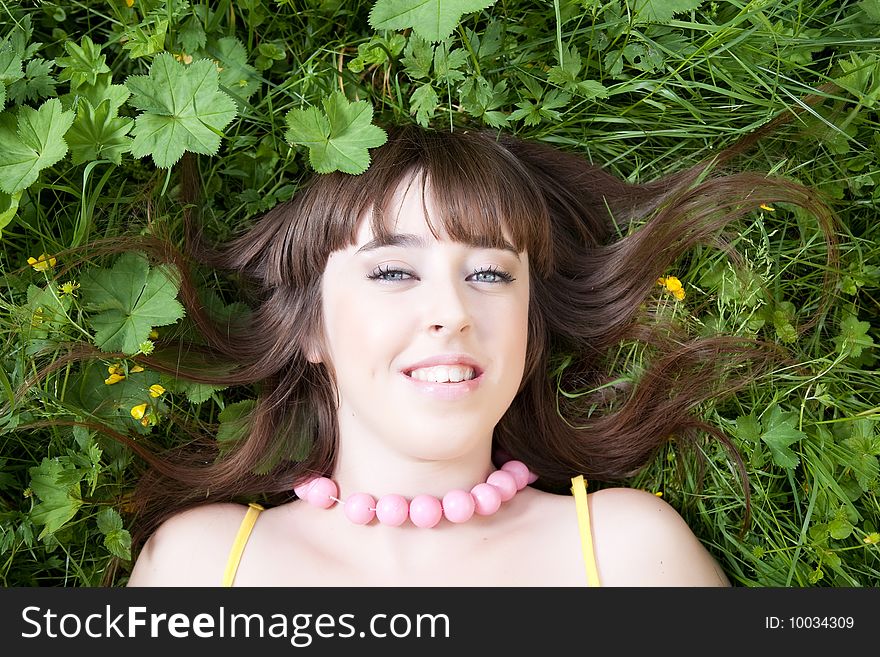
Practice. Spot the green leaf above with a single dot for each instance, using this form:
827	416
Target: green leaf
116	538
853	337
58	490
871	9
131	299
140	43
433	20
83	64
119	543
236	75
98	133
567	71
109	520
197	393
661	11
10	65
234	422
447	63
418	56
778	433
8	208
423	103
337	138
748	428
184	110
37	83
34	143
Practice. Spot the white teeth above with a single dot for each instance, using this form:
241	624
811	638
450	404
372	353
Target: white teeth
443	374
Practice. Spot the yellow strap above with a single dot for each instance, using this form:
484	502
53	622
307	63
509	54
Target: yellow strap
241	539
579	489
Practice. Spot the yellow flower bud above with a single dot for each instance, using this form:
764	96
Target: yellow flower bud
135	369
137	412
113	378
156	390
766	207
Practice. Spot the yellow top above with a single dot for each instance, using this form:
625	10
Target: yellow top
578	488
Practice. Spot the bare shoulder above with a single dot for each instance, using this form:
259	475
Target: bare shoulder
640	540
190	548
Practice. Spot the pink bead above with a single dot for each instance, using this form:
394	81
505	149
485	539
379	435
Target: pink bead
487	499
302	491
425	511
504	482
392	510
519	471
359	508
321	492
458	506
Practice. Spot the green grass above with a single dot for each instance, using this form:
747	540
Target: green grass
674	92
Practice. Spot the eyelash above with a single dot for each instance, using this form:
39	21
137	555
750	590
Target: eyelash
380	273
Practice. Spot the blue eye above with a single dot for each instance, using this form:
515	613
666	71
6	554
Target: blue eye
388	273
492	275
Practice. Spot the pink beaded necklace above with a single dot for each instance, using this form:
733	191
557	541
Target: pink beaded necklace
423	510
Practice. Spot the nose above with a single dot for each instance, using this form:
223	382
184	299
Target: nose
448	308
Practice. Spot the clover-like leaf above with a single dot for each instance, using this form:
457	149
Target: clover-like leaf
338	138
130	299
433	20
184	110
30	143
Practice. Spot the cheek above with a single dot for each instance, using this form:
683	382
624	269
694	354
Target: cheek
358	332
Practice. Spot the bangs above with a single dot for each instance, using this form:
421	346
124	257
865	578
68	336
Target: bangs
482	196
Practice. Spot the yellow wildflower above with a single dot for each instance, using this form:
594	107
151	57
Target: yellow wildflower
68	288
154	334
156	390
183	58
872	538
672	285
129	3
135	369
658	493
42	263
114	378
138	412
766	207
145	422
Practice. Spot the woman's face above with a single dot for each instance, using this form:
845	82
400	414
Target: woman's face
426	337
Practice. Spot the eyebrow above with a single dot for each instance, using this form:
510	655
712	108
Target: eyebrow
408	240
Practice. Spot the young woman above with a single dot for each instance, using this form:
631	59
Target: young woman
413	331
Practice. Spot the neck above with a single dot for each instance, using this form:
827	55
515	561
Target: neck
408	476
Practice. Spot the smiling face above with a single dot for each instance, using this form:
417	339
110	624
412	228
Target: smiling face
426	337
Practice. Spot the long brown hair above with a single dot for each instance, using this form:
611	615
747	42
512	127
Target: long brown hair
598	245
